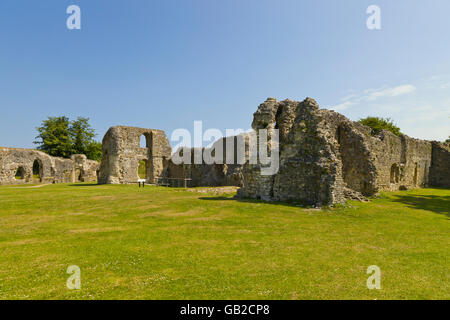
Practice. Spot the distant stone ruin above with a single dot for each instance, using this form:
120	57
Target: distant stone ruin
324	158
22	166
122	154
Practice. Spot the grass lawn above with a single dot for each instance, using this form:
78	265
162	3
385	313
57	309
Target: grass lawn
162	243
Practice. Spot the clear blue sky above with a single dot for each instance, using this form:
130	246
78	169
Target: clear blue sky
165	63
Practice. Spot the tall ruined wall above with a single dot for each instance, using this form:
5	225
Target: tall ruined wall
440	167
16	167
122	153
309	169
325	158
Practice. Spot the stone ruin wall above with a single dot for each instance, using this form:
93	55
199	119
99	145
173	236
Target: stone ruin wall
309	168
440	168
212	175
122	153
325	158
51	169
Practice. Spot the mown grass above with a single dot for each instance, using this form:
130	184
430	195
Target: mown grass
162	243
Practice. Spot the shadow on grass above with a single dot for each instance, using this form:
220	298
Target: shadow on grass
438	204
85	185
247	200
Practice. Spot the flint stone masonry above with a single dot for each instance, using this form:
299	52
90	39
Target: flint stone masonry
50	169
440	168
325	158
122	153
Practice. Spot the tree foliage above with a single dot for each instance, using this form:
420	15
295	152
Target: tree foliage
81	134
54	137
94	150
60	137
378	124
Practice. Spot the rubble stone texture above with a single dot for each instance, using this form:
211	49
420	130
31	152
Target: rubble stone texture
325	158
440	168
122	153
16	167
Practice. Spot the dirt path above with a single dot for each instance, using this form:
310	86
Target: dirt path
37	186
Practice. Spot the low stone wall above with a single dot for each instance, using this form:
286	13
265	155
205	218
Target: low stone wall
22	166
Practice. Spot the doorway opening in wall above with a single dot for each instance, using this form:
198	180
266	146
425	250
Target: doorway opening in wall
142	169
78	175
37	170
395	173
20	173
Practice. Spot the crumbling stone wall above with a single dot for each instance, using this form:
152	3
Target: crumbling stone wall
440	166
85	170
309	168
211	175
401	162
51	169
325	158
122	153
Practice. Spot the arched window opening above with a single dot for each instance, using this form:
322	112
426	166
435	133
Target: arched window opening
395	173
145	141
37	170
20	173
142	169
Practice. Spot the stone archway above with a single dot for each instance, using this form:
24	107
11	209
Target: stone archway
20	173
37	170
145	141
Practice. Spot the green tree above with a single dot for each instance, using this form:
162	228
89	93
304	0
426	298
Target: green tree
54	137
378	124
94	151
448	140
81	134
60	137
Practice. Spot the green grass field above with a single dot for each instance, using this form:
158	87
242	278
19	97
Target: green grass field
162	243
